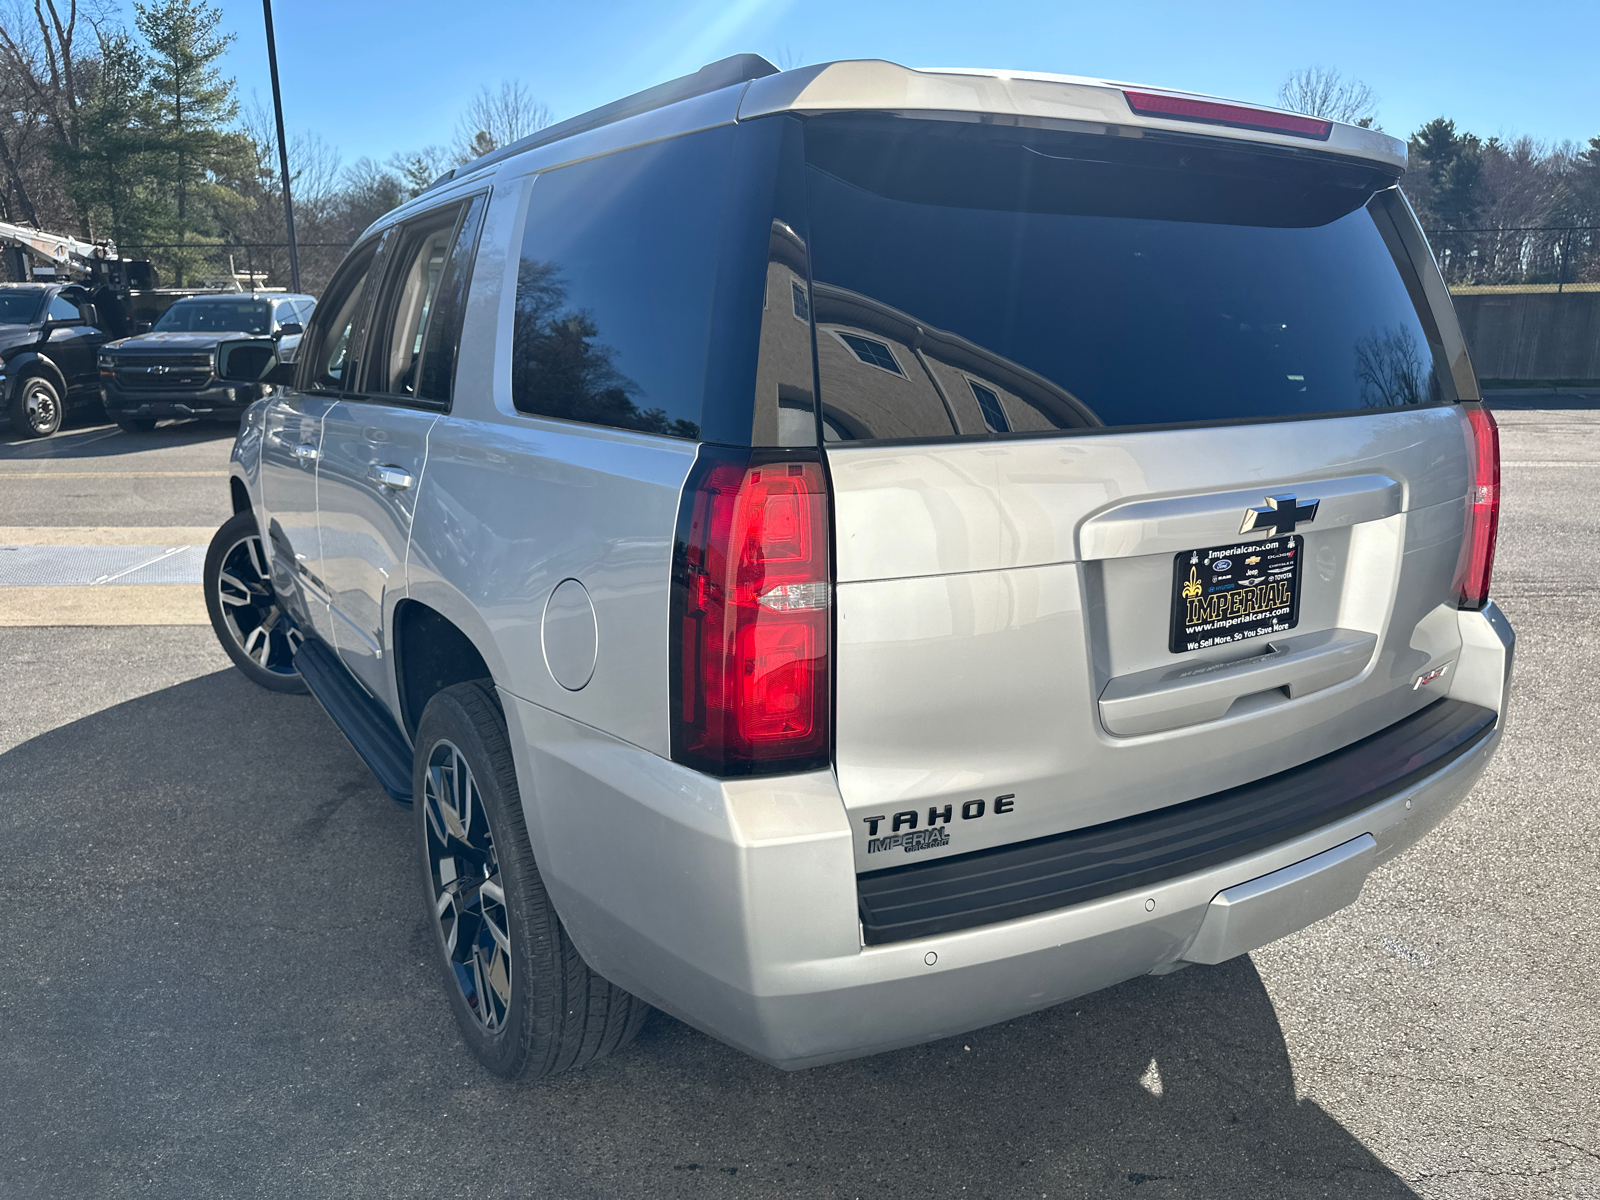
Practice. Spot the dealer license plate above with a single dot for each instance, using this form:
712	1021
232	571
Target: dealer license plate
1234	593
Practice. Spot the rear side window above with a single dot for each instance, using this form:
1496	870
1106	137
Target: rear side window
1024	280
615	287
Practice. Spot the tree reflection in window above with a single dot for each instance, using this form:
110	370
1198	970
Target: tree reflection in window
560	370
1389	368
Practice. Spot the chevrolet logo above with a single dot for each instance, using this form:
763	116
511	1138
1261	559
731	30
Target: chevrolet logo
1280	515
157	370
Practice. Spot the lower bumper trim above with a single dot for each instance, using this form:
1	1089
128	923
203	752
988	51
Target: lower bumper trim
1026	878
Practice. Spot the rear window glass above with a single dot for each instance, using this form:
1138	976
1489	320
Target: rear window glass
986	281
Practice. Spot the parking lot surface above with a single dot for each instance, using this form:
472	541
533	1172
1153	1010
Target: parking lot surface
214	976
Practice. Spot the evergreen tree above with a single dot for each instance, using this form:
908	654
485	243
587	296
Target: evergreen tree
1452	164
104	171
192	105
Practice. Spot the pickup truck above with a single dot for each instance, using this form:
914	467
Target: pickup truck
50	334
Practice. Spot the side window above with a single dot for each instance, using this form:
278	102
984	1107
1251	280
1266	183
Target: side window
332	337
617	284
283	312
443	335
62	310
414	270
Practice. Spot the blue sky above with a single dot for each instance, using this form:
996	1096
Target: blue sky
375	76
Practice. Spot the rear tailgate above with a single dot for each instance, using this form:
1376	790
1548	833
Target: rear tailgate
1148	478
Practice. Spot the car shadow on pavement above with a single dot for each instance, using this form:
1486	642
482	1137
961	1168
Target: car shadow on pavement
89	436
215	979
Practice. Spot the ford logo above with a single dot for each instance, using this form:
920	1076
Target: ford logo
1222	564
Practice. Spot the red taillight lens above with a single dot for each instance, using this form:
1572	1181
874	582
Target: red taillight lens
751	615
1212	112
1483	509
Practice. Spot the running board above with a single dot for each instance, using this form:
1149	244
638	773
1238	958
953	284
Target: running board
365	723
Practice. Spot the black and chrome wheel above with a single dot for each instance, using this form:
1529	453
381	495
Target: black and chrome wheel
525	1001
36	408
469	901
245	612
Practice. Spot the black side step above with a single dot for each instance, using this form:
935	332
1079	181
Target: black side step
370	730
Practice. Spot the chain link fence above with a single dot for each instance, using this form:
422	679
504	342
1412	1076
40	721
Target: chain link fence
1553	256
249	265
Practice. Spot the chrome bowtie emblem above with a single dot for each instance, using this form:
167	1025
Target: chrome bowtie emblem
1280	515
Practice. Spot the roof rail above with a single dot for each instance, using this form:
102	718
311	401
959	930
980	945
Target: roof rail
725	72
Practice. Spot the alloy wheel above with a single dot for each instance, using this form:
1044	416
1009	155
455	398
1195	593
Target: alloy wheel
250	608
469	899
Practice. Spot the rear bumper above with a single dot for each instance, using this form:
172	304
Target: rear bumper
732	904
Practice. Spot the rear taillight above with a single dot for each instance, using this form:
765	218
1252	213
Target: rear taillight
1483	510
751	615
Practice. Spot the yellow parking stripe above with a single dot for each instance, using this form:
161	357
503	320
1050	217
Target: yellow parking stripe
134	604
106	535
35	475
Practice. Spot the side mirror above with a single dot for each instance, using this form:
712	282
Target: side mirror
142	326
252	360
88	314
290	328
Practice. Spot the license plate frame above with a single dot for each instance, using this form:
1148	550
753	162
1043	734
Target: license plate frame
1256	593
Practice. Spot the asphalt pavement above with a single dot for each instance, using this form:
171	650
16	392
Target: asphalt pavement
213	975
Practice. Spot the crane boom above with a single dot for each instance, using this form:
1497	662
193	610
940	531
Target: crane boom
65	252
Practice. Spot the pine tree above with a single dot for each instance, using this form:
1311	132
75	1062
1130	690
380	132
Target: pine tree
192	104
103	171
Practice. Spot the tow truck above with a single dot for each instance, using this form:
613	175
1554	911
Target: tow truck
70	298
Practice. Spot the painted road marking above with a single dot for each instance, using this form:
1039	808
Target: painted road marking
106	535
102	575
79	566
146	604
38	475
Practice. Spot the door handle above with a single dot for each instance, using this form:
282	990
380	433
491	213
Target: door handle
396	479
305	452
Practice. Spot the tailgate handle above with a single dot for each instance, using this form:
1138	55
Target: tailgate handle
1192	692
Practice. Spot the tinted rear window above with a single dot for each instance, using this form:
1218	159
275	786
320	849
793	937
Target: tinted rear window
1023	280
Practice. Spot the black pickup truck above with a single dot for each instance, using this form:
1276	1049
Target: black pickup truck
50	334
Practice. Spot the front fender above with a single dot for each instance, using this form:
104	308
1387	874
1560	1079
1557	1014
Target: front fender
244	463
32	362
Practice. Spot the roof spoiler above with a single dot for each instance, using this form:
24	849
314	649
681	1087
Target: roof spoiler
713	77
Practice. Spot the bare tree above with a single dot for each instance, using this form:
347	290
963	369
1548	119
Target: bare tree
495	119
45	76
1323	92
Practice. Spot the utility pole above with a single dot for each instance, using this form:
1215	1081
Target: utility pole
283	152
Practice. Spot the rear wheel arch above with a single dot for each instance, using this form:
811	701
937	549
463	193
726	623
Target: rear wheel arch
431	653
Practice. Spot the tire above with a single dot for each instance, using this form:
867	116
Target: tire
136	424
493	924
245	613
36	409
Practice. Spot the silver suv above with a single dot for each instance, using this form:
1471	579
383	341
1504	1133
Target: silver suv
854	554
